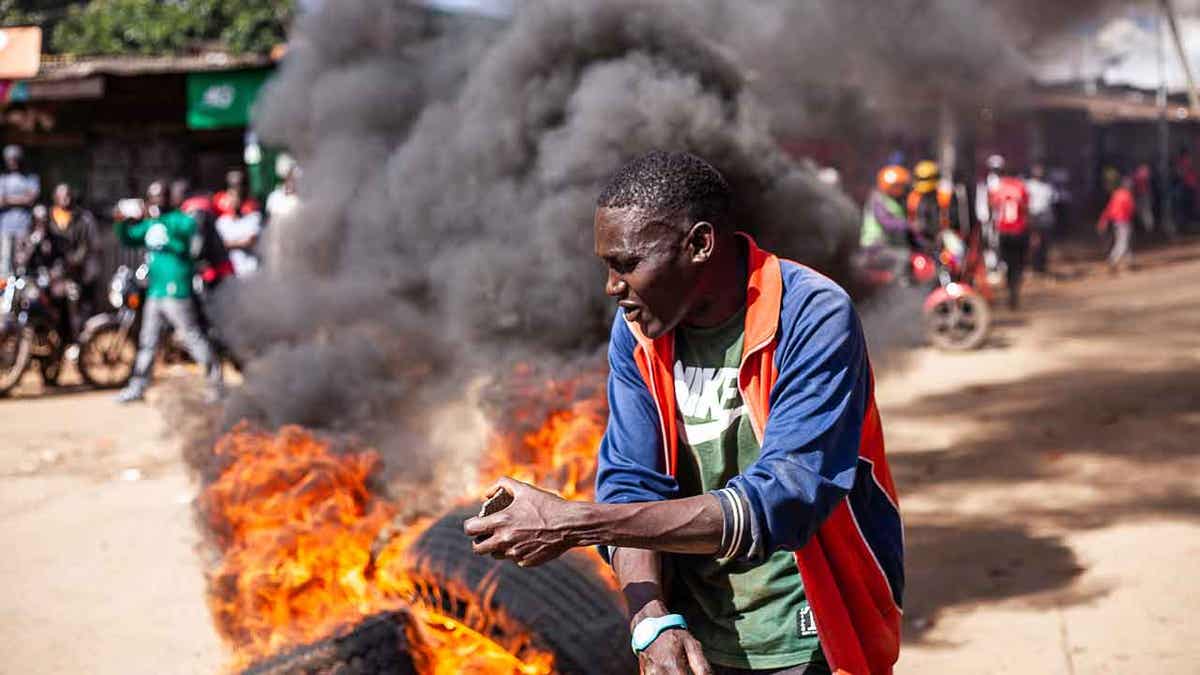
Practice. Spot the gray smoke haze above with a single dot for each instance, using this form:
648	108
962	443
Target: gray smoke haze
450	211
450	171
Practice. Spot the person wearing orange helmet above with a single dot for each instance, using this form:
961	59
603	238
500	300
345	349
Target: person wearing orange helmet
885	227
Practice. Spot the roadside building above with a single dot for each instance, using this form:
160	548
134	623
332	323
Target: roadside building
110	125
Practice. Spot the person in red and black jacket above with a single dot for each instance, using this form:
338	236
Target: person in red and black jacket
743	495
1009	203
212	256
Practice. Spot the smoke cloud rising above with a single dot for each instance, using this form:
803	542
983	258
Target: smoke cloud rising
447	210
450	168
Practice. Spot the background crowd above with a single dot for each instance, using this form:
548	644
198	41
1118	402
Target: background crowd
1015	219
193	240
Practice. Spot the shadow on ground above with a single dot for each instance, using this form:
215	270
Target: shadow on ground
1109	440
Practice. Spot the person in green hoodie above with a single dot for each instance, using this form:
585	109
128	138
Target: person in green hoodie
167	235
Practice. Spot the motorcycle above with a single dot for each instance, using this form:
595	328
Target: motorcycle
31	322
108	343
955	314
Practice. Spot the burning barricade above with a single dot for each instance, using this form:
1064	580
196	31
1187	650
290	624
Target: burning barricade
320	572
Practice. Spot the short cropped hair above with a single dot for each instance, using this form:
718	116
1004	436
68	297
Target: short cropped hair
668	184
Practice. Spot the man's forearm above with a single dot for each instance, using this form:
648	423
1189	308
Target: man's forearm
641	577
691	525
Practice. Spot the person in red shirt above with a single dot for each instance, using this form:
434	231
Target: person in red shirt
223	202
1009	203
1119	214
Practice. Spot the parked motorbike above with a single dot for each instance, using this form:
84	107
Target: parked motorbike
31	322
956	314
109	341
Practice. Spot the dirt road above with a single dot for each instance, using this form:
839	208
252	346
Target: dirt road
1047	482
99	573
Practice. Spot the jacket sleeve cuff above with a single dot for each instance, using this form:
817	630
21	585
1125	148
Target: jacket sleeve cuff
741	537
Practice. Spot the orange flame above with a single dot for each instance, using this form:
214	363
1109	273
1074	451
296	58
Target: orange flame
307	548
559	455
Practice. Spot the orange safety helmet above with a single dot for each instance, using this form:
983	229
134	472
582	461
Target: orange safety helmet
893	180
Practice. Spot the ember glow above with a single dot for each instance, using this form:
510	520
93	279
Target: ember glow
309	548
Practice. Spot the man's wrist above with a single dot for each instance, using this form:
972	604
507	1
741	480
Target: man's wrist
647	631
652	609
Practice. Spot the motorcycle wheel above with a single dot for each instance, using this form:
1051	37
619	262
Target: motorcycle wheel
958	323
15	353
106	356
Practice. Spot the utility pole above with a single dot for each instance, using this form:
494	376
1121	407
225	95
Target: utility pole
1193	98
1165	212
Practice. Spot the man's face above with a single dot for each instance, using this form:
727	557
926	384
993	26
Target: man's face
652	272
179	190
62	197
156	194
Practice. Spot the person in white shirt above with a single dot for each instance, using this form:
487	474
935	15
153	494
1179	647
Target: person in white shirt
1041	217
18	192
283	200
282	205
240	232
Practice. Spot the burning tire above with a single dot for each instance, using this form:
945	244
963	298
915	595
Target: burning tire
564	605
377	645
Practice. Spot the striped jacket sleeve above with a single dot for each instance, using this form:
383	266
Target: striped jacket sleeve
810	443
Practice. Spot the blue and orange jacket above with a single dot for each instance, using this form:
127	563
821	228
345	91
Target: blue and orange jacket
821	486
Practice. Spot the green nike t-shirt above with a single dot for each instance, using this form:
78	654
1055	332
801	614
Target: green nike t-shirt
744	618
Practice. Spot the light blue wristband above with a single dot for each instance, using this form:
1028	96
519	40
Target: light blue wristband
647	630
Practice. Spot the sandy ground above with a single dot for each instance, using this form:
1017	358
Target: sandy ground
100	573
1047	482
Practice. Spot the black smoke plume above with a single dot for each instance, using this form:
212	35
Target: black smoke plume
450	168
446	222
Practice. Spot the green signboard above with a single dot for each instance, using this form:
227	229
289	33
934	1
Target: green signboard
219	100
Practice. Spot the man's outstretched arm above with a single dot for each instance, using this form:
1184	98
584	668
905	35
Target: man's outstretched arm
540	526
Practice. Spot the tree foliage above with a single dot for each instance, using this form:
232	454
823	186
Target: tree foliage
170	26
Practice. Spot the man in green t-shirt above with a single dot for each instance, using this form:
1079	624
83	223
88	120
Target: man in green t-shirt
167	237
748	616
743	493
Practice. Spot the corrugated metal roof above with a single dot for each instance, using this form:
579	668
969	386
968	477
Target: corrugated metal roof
1112	106
66	67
